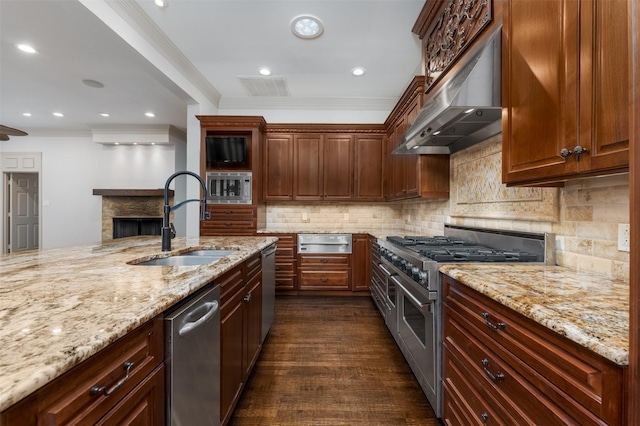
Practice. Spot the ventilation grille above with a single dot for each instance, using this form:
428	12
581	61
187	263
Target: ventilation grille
265	86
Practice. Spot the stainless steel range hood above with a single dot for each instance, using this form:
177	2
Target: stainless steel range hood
465	111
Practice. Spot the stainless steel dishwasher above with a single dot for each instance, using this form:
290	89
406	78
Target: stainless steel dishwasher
268	288
192	360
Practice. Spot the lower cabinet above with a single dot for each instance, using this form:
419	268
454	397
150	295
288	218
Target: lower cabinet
286	261
324	271
502	368
240	330
360	262
71	399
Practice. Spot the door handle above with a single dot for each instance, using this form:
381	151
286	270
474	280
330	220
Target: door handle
210	309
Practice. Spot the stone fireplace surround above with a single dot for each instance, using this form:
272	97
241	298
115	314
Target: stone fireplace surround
130	203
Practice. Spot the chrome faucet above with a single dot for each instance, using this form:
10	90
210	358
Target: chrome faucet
168	231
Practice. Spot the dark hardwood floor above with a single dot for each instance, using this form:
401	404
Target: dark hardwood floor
331	361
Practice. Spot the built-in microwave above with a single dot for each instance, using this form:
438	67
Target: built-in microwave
229	187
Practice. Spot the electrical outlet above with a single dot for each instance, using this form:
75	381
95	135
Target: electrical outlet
346	216
305	217
624	237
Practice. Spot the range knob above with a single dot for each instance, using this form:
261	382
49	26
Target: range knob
395	259
423	278
407	267
415	273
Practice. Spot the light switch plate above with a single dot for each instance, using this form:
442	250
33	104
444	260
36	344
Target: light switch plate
624	237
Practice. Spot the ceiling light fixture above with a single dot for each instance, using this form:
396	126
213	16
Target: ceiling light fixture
93	83
264	71
306	26
358	71
26	48
104	114
149	114
161	3
58	114
26	114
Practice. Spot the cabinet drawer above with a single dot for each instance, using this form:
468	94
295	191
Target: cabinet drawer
557	367
230	282
229	212
286	283
284	253
285	268
69	400
254	266
503	386
324	280
324	260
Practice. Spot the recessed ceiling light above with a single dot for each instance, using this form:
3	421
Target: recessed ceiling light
93	83
117	143
104	114
58	114
26	114
26	48
149	114
264	71
358	71
306	26
161	3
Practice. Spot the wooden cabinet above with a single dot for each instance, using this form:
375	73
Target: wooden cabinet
565	89
240	330
286	262
229	219
69	399
278	167
369	176
324	271
323	167
412	176
360	262
317	162
502	368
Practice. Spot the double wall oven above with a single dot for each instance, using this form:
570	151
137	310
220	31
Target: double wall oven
406	287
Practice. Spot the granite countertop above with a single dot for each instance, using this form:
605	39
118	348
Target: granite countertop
60	306
378	233
588	308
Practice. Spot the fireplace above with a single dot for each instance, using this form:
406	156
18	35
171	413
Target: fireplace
129	212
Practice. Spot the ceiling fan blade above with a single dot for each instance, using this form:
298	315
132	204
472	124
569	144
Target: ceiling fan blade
4	130
4	137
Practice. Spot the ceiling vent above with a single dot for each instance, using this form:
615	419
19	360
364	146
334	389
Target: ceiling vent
265	86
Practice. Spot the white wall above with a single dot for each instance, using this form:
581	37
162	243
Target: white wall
72	167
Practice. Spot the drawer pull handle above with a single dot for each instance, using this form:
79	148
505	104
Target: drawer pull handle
247	298
324	280
103	389
324	260
494	326
484	417
227	224
495	377
228	212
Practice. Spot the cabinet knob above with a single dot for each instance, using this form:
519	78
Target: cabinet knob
564	153
579	150
247	298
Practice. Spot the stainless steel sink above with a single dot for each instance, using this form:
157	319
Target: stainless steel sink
209	252
181	260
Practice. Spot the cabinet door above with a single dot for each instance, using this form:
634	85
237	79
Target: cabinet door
278	167
360	264
253	323
231	354
338	167
411	184
369	168
142	406
307	169
540	88
604	88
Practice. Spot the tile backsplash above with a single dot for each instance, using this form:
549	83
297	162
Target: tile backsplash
584	214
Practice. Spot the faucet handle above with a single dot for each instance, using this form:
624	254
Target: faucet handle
173	230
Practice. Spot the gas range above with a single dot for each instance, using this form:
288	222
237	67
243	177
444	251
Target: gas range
406	286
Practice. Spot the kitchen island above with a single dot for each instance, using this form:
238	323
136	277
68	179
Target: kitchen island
59	307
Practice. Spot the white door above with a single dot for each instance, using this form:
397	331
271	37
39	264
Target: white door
23	212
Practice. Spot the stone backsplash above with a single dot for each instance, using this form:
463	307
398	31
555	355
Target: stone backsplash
584	215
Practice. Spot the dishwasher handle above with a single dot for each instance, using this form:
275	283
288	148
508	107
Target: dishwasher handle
189	325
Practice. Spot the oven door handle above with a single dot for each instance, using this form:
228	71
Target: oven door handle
389	273
422	306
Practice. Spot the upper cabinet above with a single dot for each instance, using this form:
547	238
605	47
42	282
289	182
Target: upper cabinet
412	175
329	162
565	97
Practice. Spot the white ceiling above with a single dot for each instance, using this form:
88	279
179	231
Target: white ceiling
194	51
